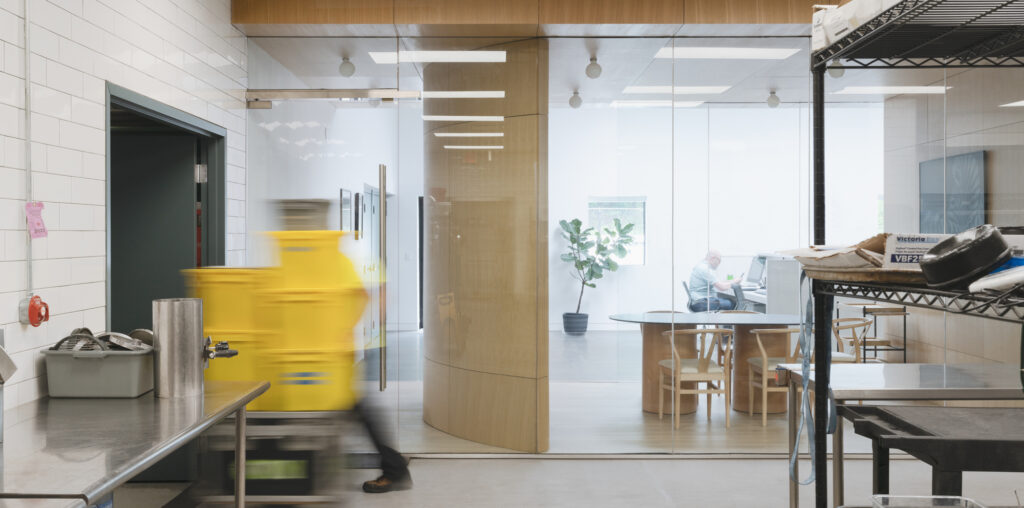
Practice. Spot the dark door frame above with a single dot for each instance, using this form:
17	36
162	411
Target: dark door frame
213	140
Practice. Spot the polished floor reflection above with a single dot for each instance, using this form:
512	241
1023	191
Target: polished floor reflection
595	406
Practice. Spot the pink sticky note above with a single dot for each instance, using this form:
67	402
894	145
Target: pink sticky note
34	215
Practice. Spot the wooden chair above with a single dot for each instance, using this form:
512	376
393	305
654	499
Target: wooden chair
702	369
856	329
877	343
764	367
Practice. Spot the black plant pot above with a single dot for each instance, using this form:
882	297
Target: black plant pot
574	324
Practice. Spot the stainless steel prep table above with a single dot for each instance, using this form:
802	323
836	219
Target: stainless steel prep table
42	503
82	449
910	381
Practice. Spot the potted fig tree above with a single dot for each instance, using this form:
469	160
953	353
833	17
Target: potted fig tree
591	253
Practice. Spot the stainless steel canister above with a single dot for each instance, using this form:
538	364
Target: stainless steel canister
178	347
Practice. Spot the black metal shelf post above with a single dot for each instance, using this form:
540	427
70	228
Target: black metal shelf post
912	34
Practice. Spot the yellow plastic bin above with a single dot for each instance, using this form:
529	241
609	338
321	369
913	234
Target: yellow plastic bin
313	318
247	366
309	380
229	295
312	259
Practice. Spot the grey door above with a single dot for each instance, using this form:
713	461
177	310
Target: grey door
152	223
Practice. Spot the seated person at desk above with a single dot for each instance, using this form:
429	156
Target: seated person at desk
704	286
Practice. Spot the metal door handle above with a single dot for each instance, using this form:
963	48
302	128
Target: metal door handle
381	274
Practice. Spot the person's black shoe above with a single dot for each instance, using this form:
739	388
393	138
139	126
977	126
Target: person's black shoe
384	484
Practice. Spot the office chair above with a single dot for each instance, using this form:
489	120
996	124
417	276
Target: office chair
741	301
689	299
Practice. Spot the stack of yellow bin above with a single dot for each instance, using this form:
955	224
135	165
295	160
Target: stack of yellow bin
312	302
292	324
230	312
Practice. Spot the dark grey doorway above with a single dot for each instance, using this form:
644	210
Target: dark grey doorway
163	214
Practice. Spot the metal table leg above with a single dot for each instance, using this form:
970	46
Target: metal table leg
879	468
947	483
837	464
240	458
793	415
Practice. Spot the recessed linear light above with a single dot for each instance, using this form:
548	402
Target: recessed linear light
469	134
391	57
891	90
462	118
710	53
679	90
474	147
655	104
1017	104
468	94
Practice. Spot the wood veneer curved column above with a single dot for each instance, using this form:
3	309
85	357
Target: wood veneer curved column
485	250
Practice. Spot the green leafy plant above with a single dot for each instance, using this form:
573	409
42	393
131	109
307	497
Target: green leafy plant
592	252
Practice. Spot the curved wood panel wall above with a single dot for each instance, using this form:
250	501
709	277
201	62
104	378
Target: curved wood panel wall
485	252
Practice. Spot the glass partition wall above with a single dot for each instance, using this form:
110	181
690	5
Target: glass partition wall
951	148
691	153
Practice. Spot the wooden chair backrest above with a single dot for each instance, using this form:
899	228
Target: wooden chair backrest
858	328
778	334
709	340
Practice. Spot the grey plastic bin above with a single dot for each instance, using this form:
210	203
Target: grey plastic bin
99	374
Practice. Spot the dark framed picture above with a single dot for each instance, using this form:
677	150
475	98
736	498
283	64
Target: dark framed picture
356	216
346	210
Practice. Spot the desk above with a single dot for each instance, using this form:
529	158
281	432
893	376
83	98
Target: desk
910	381
657	348
760	298
82	449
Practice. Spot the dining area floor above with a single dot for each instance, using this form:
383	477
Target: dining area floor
595	407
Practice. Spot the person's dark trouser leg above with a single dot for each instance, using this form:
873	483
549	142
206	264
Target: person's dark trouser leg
391	462
700	305
726	304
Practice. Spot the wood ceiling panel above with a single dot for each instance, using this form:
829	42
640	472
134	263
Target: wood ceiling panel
465	12
312	12
611	12
748	11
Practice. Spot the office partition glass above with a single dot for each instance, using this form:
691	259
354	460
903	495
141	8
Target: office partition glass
740	200
609	168
322	151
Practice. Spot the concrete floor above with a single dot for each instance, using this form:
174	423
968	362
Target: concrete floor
595	396
718	483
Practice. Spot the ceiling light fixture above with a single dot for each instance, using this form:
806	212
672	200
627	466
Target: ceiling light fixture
392	57
474	147
835	70
469	134
462	118
773	100
711	53
656	104
679	90
891	90
575	101
1017	104
347	68
593	68
467	94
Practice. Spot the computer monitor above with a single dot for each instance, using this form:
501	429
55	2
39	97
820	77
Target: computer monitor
756	270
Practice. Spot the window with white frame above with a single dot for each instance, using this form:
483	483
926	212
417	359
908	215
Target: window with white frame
629	210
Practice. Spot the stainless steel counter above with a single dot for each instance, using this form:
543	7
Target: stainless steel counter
42	503
84	448
900	381
920	381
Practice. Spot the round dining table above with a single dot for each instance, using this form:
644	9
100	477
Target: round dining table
656	348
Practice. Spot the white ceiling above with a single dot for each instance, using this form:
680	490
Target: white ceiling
625	62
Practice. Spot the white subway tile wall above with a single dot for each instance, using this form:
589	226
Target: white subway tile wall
184	53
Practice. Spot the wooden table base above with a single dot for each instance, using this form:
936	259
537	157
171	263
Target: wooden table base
657	348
